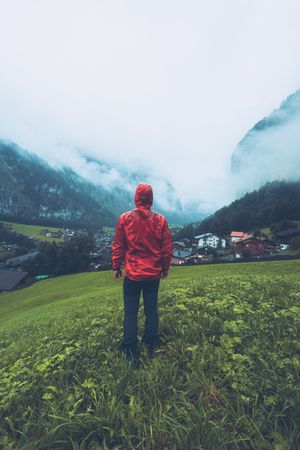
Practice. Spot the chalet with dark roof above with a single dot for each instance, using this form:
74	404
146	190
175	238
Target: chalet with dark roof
13	279
178	245
180	256
250	247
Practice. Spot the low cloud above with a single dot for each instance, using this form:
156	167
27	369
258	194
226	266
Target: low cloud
162	90
109	176
271	150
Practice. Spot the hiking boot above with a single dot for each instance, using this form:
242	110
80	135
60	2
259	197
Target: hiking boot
156	340
151	344
150	350
131	356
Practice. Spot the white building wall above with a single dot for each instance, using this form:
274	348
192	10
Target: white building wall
210	240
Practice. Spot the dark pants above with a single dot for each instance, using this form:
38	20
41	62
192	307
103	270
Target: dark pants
131	293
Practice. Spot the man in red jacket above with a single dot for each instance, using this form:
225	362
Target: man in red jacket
143	241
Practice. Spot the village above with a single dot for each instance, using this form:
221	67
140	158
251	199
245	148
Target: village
13	274
103	239
205	248
237	246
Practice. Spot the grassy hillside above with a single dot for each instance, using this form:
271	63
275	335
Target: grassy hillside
227	376
33	230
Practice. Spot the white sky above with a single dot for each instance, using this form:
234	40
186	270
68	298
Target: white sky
165	85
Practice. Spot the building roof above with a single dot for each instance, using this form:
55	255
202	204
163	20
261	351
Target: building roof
105	254
20	259
179	243
203	235
237	234
181	253
250	239
185	240
10	278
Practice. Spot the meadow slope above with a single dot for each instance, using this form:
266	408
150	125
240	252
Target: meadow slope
226	377
33	231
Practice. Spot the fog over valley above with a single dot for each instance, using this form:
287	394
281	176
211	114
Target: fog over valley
126	92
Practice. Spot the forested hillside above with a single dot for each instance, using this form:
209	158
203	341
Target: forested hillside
32	191
274	202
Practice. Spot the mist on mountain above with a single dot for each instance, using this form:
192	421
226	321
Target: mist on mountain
270	150
92	191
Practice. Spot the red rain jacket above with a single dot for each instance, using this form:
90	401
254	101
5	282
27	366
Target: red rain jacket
142	239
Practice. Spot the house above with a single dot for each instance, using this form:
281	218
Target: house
182	253
177	261
228	257
179	256
210	240
206	251
283	247
250	247
101	260
44	232
178	245
270	246
186	242
236	236
13	279
18	261
199	258
193	259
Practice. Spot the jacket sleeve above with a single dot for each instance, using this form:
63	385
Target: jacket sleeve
119	246
166	247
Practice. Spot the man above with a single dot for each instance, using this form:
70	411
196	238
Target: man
143	241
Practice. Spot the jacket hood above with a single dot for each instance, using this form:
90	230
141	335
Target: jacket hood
143	197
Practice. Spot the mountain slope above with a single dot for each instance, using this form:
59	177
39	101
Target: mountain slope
30	190
270	150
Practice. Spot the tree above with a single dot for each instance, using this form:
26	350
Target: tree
74	255
45	263
282	225
58	259
280	211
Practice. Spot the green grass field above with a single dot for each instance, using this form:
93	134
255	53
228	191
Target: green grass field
227	376
33	230
108	229
267	232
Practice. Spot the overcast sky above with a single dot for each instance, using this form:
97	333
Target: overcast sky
164	85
